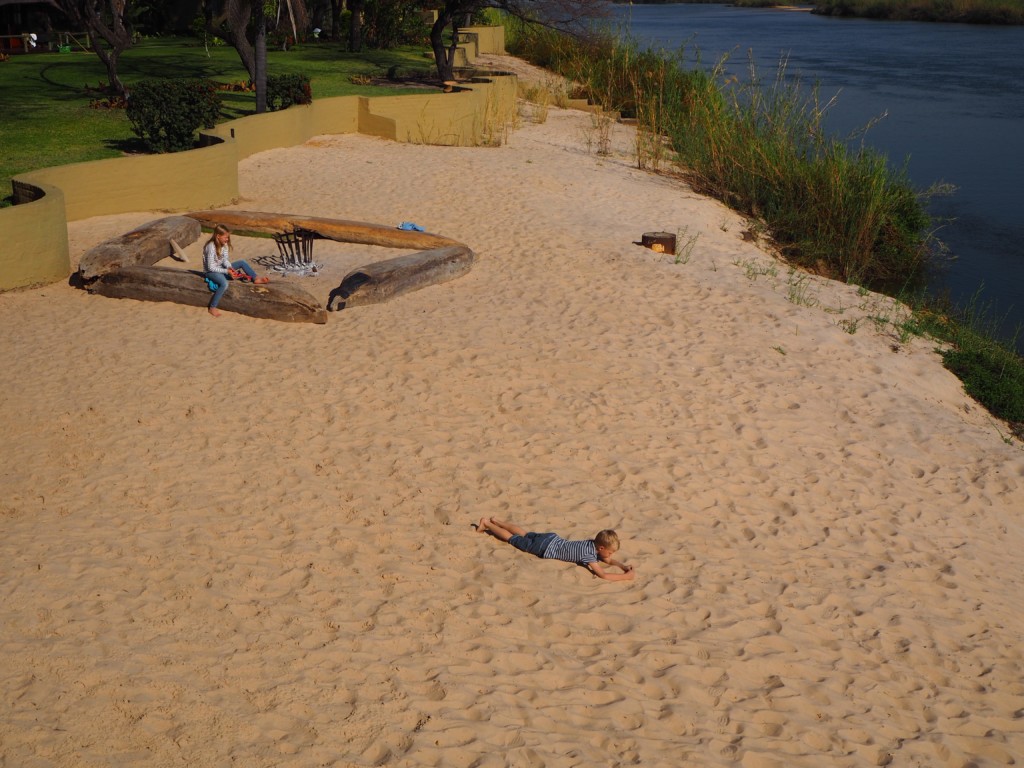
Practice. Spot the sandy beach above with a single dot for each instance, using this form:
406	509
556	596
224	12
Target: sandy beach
239	542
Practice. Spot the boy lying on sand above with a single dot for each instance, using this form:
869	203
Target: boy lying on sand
551	546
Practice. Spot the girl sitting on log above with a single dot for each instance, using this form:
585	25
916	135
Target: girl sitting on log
220	268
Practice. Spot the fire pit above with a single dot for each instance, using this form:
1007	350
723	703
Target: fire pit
296	252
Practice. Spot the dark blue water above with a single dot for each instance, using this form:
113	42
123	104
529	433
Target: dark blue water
952	96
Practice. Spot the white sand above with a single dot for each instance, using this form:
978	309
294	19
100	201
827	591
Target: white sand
239	542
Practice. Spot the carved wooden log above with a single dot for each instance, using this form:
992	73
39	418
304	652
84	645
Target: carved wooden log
330	229
661	242
384	280
144	246
274	301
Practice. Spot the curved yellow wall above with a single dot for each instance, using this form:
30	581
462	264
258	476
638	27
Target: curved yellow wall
34	242
206	176
34	247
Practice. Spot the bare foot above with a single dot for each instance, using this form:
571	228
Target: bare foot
481	527
214	311
261	280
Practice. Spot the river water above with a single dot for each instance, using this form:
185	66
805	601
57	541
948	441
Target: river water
952	96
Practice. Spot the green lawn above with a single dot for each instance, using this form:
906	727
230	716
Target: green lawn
46	120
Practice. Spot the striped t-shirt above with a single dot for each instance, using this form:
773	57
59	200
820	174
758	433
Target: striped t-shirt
571	551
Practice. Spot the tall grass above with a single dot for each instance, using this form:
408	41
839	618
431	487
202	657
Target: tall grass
962	11
839	211
832	206
988	365
959	11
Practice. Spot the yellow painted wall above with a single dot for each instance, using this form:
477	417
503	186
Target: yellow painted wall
437	118
488	40
171	182
34	248
452	119
34	244
337	115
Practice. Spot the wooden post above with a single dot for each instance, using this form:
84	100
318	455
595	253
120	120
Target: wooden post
659	242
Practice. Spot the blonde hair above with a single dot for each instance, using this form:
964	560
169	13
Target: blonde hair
608	540
220	229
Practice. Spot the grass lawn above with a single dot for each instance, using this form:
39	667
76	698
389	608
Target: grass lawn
46	120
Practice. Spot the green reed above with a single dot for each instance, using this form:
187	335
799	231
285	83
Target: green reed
840	211
837	210
831	205
977	351
961	11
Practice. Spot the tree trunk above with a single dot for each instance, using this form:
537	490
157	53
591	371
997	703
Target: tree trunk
260	46
452	48
291	18
113	32
232	25
109	59
443	58
355	25
248	56
335	20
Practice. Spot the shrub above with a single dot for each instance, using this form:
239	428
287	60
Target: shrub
285	90
963	11
166	114
390	23
992	375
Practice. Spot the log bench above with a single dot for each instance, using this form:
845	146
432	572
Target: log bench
123	267
384	280
339	230
274	301
143	246
438	259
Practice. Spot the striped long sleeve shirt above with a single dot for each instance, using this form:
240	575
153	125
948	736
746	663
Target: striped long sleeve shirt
571	551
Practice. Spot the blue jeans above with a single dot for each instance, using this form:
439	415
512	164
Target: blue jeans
532	543
222	280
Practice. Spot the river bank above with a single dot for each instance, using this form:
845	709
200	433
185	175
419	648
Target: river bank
995	12
231	539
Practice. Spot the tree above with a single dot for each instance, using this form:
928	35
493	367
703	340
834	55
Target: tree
566	15
243	23
355	24
325	15
387	23
108	25
336	8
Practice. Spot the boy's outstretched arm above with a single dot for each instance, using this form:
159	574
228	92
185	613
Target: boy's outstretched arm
628	573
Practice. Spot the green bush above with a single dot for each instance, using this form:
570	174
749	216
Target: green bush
992	375
285	90
390	23
961	11
166	114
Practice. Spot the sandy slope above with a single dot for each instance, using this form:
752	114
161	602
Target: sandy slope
239	542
